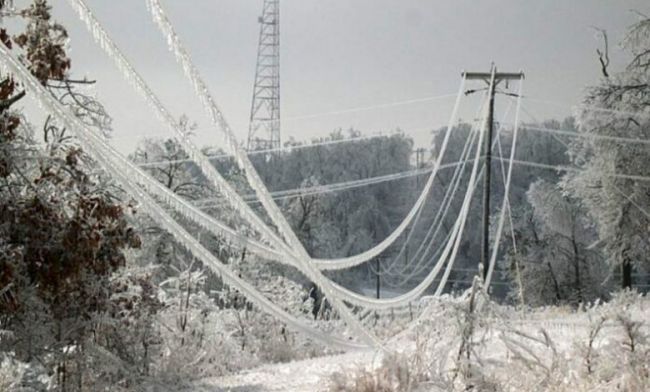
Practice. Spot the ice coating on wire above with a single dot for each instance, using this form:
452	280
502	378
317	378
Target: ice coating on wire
351	297
96	146
135	80
446	203
244	163
212	174
423	250
378	249
442	212
255	182
334	187
420	266
454	243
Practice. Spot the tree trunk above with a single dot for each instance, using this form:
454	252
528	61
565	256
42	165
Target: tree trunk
626	271
576	268
556	286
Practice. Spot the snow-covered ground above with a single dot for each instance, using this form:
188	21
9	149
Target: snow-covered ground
302	376
509	335
313	375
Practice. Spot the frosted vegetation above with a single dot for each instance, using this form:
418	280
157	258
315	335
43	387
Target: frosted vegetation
186	264
470	342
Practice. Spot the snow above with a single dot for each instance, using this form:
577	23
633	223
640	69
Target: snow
566	329
300	376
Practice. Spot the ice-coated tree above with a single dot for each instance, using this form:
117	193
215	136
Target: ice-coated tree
607	184
554	263
65	302
166	161
308	215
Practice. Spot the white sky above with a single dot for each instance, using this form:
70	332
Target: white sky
338	54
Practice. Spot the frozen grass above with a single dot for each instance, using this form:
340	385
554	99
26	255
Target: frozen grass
470	343
453	346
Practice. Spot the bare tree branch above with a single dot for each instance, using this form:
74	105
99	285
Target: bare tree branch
603	55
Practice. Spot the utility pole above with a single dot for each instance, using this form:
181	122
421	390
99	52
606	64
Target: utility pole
492	78
419	161
378	275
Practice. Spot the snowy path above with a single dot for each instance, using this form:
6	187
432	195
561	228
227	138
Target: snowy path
303	376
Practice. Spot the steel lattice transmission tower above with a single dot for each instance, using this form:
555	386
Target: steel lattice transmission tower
264	128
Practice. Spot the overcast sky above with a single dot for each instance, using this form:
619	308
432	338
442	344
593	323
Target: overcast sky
340	54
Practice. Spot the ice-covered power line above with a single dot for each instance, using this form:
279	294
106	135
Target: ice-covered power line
575	169
141	87
589	108
585	135
286	149
97	147
200	129
206	167
252	176
294	247
448	254
309	266
339	186
370	107
631	200
441	214
419	261
275	214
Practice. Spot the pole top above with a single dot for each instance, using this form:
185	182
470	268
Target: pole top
498	75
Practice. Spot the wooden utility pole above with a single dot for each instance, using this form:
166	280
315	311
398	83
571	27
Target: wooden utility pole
378	275
626	272
492	78
419	161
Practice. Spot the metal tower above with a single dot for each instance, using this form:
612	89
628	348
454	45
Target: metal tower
264	126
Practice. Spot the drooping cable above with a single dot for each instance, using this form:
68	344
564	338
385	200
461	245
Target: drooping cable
426	243
468	197
210	172
209	104
396	259
439	218
256	183
513	237
334	187
442	213
137	82
406	298
351	261
105	40
95	145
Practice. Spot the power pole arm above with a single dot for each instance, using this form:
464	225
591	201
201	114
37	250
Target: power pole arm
499	76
